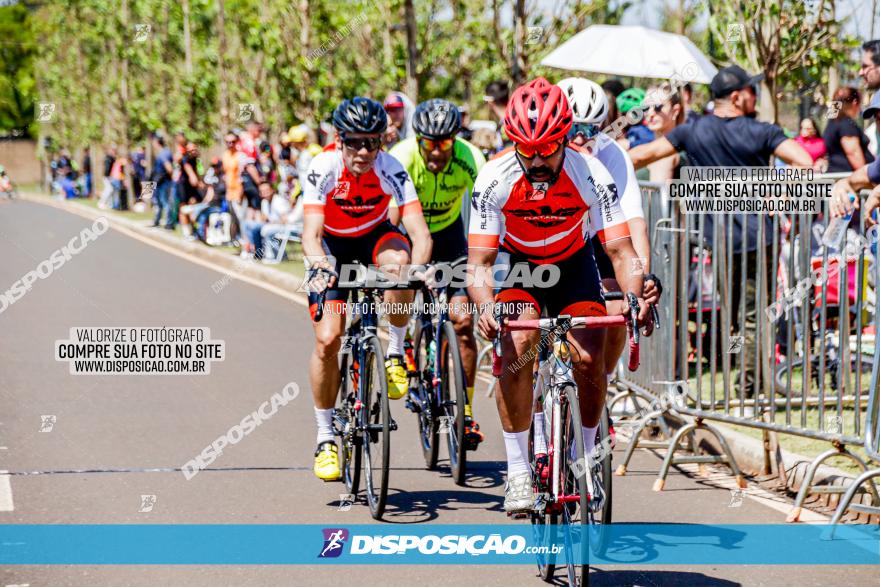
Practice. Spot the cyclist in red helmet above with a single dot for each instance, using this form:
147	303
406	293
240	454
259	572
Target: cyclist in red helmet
541	203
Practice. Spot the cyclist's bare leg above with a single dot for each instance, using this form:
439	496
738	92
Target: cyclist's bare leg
463	321
324	363
588	350
615	338
514	392
392	258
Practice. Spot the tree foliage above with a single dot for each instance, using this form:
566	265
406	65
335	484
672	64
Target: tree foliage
793	42
119	69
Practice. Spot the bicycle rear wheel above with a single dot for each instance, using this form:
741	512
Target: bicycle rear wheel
574	471
454	398
599	519
832	375
376	419
429	412
345	420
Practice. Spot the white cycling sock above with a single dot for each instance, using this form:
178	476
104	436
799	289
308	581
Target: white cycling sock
396	335
517	446
589	438
324	418
540	439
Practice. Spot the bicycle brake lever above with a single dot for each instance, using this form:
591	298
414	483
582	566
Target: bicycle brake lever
634	315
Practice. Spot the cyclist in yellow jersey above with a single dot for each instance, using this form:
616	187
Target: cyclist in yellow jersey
443	169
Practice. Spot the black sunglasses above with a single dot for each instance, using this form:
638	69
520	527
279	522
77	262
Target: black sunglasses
370	144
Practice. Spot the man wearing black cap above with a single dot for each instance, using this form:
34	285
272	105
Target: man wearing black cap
732	137
864	177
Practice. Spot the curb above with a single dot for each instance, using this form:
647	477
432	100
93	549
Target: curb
234	265
749	455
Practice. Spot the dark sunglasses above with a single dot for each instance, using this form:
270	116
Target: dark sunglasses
588	131
545	150
354	144
431	144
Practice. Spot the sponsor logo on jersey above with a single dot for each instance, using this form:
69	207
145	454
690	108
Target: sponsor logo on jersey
357	206
340	192
545	216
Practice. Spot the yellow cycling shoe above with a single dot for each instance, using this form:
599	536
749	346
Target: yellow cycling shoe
398	383
327	462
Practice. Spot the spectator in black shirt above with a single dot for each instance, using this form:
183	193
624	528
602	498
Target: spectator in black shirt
847	145
731	136
87	173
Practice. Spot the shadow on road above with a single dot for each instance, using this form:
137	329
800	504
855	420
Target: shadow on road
415	507
480	475
600	578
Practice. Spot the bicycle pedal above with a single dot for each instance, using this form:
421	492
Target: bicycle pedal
392	425
412	406
540	503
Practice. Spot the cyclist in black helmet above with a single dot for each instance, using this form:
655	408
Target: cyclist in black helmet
346	193
443	168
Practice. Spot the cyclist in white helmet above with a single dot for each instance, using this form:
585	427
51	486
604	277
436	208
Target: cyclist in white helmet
589	106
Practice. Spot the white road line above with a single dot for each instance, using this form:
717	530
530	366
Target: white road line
5	493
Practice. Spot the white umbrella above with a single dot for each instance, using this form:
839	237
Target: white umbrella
633	51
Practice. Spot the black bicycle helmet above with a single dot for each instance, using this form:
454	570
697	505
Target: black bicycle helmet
436	119
360	115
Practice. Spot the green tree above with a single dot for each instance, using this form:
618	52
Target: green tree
17	83
792	42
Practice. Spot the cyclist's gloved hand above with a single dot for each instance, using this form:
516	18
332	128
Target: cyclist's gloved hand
320	277
653	288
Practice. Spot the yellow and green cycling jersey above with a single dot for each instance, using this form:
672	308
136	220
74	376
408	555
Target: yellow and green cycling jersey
441	193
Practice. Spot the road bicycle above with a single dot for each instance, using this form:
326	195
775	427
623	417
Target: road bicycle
567	499
362	416
437	385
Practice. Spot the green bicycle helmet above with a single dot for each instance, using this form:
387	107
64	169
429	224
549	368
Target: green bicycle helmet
629	99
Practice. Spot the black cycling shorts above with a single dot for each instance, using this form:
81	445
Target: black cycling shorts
354	249
450	244
578	291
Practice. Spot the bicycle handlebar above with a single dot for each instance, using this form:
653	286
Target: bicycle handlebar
589	322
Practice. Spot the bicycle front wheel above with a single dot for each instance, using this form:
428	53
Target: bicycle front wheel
376	423
346	428
428	409
454	398
574	472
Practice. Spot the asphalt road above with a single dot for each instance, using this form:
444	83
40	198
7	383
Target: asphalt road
110	431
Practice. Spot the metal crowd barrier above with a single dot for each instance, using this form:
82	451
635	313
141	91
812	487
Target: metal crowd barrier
815	372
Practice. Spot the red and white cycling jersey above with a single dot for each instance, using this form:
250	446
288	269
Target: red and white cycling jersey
545	223
353	205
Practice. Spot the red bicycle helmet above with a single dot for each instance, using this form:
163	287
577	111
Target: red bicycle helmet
538	113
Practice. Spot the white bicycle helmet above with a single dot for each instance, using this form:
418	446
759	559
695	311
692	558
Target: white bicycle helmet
589	105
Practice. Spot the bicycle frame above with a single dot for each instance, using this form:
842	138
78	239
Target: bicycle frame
433	329
362	326
556	367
